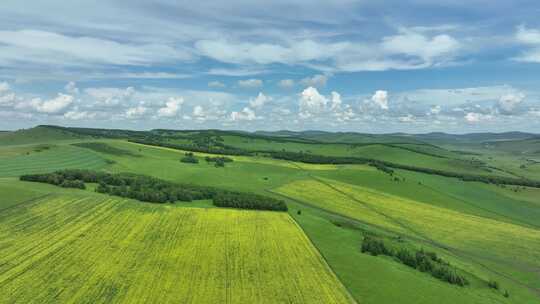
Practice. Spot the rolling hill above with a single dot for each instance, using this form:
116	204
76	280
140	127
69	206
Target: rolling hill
486	232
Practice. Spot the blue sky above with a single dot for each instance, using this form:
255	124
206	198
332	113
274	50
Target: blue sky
365	66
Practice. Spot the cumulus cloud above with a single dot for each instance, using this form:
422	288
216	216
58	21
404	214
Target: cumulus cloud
171	108
246	114
250	83
216	84
380	98
201	114
259	101
318	81
311	102
135	112
110	96
7	98
507	103
335	101
52	106
473	117
286	83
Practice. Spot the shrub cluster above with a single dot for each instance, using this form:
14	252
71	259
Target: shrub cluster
218	161
189	158
154	190
421	260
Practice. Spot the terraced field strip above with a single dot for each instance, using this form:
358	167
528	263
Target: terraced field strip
61	157
70	249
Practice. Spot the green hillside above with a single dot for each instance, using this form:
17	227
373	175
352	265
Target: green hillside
486	232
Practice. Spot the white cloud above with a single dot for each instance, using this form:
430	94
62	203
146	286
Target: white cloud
435	110
409	49
250	83
71	88
311	102
534	112
259	101
216	84
236	72
201	115
380	98
407	119
51	106
56	49
286	83
246	114
413	43
172	106
8	99
136	112
508	102
527	36
473	117
531	38
110	96
318	81
335	101
4	87
267	53
76	115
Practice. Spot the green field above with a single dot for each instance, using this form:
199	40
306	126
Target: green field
96	249
196	252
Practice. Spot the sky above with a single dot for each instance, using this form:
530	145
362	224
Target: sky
412	66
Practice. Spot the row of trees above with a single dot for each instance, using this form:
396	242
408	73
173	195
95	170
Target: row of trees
249	201
424	261
223	149
322	159
150	189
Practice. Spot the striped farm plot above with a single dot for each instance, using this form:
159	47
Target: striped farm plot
98	249
59	157
510	248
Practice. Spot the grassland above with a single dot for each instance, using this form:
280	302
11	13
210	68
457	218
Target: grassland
93	249
54	158
489	232
496	249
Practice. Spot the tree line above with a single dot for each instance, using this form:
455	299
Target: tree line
224	149
424	261
379	164
154	190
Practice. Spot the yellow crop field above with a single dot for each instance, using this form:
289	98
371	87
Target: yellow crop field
488	237
94	249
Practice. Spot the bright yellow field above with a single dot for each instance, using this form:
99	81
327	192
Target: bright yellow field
70	249
498	240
